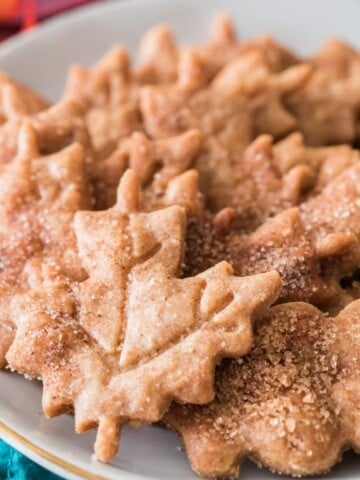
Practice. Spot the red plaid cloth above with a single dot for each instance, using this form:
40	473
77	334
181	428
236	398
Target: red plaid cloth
16	15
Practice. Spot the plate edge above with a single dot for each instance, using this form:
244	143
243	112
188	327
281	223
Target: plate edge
44	454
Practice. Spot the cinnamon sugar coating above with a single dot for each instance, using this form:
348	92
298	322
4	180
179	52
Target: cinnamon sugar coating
110	98
287	405
227	129
247	83
56	127
287	243
310	262
325	163
327	107
17	100
243	191
38	198
155	162
336	209
132	337
159	54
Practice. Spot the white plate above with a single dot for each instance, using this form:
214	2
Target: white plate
40	58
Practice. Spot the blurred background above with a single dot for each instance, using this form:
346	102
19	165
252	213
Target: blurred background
17	15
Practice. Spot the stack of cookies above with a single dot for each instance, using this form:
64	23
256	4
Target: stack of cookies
180	244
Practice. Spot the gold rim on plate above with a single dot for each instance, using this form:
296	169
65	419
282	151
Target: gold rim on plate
49	456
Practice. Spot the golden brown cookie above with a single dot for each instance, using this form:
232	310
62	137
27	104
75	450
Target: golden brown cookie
122	312
253	186
121	345
327	107
110	97
325	163
336	209
159	54
17	100
38	198
191	103
284	243
155	162
290	404
225	114
56	127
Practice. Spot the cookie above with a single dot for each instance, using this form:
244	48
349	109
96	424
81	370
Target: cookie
289	405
